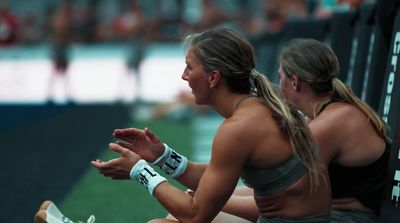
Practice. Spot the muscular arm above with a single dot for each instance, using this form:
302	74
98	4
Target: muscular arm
192	175
216	183
243	206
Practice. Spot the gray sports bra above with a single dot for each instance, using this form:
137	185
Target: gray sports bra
276	179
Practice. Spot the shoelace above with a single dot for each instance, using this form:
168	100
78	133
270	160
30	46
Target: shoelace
91	219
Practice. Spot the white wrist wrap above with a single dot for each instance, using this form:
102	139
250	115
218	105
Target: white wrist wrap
145	174
171	162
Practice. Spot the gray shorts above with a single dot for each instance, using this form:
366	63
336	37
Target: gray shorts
353	217
314	219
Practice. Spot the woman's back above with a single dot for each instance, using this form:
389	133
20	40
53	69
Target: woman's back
347	136
357	155
351	135
284	188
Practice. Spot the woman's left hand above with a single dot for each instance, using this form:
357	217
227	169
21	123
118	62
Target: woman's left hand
118	168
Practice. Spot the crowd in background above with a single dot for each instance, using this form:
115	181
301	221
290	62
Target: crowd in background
98	21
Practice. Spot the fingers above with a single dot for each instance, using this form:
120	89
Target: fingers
97	163
108	167
117	148
128	131
129	134
109	171
126	145
100	165
153	138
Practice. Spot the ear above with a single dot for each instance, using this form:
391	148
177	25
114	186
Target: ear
295	82
214	78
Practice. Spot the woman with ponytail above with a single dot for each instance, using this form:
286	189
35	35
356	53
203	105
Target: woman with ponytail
263	140
352	137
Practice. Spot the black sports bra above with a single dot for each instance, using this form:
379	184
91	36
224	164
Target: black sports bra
366	183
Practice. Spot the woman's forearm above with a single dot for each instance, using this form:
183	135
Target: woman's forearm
191	177
243	206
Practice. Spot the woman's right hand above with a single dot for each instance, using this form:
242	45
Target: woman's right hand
143	142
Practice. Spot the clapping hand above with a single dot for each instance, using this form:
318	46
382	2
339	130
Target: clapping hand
118	168
136	144
142	142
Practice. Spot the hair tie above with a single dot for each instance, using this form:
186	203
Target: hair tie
254	73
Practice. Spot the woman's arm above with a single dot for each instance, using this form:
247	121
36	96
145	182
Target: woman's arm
215	186
148	146
191	177
243	206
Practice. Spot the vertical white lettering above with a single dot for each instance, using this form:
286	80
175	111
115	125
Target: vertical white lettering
397	175
396	46
393	62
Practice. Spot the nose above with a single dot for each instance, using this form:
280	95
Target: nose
184	75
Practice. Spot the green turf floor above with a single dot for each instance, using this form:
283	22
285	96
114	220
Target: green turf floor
114	201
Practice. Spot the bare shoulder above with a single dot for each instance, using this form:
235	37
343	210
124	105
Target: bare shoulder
236	135
341	128
338	116
332	126
233	131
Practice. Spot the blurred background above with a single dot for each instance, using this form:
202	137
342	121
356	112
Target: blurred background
52	49
71	71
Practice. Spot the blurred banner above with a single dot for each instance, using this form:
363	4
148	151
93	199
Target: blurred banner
95	73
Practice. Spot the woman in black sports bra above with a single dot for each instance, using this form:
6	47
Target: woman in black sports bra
352	138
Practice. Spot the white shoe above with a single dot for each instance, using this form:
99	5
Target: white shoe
49	213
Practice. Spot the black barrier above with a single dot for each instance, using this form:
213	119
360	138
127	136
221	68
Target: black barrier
376	63
47	149
342	32
361	48
390	110
307	28
268	45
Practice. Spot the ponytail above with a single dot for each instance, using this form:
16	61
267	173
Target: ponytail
292	124
343	93
316	64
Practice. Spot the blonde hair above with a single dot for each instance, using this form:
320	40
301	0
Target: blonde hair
292	124
316	64
231	54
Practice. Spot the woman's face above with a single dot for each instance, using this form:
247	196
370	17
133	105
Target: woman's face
197	78
285	85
